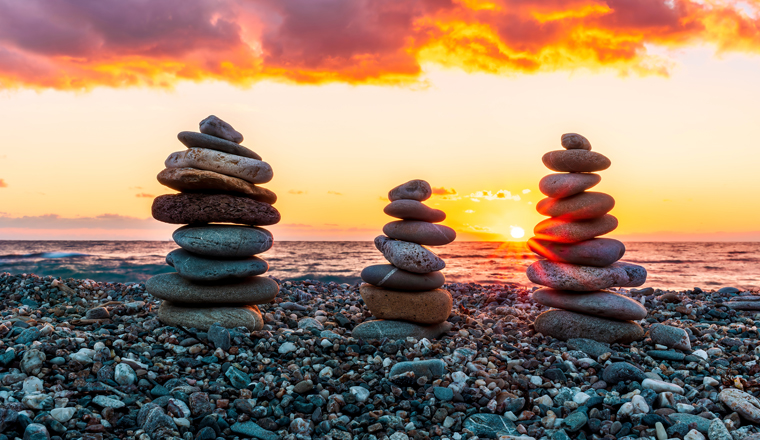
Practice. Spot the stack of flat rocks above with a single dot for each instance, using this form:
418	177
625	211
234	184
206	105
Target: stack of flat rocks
218	277
406	295
578	266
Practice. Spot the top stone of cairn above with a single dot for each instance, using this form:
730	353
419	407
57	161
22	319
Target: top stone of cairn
216	127
574	141
412	190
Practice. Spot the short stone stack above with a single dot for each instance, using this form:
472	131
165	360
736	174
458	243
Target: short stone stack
578	265
406	295
218	275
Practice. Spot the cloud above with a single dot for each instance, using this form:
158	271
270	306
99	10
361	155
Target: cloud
526	191
3	184
443	191
469	211
297	192
478	228
81	44
334	193
501	194
145	195
54	221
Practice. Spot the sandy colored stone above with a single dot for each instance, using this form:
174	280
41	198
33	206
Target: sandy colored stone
412	190
411	257
564	325
391	277
427	307
186	208
223	241
599	252
202	318
582	206
414	210
601	303
573	231
193	180
172	287
395	330
575	161
565	276
566	184
420	232
214	126
248	169
747	405
198	268
574	141
192	139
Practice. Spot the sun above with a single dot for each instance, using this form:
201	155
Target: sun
517	232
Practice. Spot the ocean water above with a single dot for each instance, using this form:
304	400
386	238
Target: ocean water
671	265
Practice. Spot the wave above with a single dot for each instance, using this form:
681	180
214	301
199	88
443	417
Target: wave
43	255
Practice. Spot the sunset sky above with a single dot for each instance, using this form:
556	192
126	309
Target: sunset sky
349	98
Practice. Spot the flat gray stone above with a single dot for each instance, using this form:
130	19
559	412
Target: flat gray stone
565	276
391	277
249	169
216	127
411	257
415	231
395	330
602	303
429	368
702	424
564	325
174	288
567	184
414	210
575	161
599	252
192	139
223	241
589	346
622	371
669	336
198	268
251	429
203	318
412	190
490	425
572	231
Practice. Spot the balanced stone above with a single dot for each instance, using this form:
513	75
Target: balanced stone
572	231
395	330
602	303
428	307
565	276
192	139
197	268
575	161
411	257
202	318
574	141
391	277
420	232
637	275
223	241
188	208
567	184
193	180
582	206
564	325
413	210
412	190
172	287
248	169
598	252
216	127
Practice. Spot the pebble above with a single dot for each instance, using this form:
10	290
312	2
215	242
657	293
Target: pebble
574	141
489	425
718	431
747	405
563	276
251	429
567	231
204	140
63	415
564	325
567	184
219	336
35	431
380	329
428	307
414	210
391	277
189	208
223	241
575	161
249	169
172	287
589	346
420	232
622	371
407	256
32	362
202	318
581	206
660	386
197	268
108	402
430	369
214	126
193	180
599	252
670	336
605	304
412	190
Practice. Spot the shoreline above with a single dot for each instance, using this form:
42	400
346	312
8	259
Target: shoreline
304	368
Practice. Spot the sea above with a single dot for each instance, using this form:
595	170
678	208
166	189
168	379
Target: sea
671	265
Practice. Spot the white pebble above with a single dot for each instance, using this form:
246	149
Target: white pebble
581	398
287	347
661	386
710	381
701	353
361	393
536	380
63	415
684	408
694	435
33	385
459	377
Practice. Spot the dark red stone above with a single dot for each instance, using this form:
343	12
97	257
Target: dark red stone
213	208
599	252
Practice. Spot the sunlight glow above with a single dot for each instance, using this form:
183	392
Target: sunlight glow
517	232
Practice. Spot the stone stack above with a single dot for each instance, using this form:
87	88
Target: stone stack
406	295
218	277
578	266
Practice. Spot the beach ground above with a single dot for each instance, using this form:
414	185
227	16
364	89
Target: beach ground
82	359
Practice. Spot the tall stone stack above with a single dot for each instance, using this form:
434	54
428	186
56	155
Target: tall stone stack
578	265
218	277
406	295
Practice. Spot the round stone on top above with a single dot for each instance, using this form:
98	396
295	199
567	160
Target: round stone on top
412	190
575	161
216	127
574	141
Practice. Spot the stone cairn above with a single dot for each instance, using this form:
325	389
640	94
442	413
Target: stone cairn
217	278
406	295
578	266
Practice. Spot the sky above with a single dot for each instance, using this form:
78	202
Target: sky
346	99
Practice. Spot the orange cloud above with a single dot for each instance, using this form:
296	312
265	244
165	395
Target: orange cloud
3	184
77	45
443	191
145	195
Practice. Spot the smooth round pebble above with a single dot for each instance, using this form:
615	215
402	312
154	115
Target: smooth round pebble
412	190
427	307
246	168
391	277
573	231
574	141
582	206
395	330
174	288
223	241
575	161
194	180
411	257
214	126
193	139
415	231
564	325
187	208
567	184
406	209
197	268
599	252
605	304
202	318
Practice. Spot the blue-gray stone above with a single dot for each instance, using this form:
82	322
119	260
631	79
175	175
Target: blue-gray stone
28	336
198	268
251	429
219	336
237	378
666	355
489	425
7	357
429	369
394	330
702	424
35	431
575	421
622	371
443	394
223	241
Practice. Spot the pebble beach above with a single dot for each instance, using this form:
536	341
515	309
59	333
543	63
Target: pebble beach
90	360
